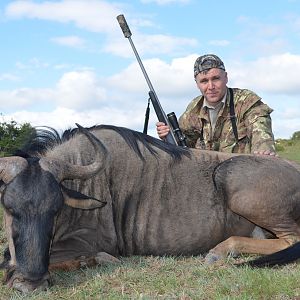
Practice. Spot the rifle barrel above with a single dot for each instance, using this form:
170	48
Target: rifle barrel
162	117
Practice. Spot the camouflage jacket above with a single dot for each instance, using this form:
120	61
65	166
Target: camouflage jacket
252	119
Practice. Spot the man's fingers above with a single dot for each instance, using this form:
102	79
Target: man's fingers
162	129
266	152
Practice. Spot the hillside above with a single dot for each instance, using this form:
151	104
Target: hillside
289	149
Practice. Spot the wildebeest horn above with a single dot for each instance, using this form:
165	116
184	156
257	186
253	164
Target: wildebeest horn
10	167
63	170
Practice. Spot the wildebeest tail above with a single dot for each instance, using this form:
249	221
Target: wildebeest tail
279	258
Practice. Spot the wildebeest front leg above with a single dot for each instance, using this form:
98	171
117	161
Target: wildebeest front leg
236	245
100	258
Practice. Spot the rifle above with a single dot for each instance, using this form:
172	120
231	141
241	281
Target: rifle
175	135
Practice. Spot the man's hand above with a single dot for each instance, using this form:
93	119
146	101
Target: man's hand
162	129
265	152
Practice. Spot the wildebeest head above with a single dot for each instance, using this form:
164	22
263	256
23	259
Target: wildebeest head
32	195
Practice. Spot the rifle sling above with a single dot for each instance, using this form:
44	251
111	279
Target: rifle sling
232	115
147	117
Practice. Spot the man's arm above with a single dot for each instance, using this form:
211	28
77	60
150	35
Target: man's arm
189	123
259	124
188	130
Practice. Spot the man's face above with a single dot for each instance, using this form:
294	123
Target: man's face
212	84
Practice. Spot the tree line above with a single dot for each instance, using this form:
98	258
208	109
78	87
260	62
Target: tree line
13	136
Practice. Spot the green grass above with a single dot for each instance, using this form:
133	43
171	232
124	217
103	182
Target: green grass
170	278
182	278
289	149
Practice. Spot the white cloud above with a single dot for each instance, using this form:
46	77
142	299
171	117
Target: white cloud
80	96
261	38
61	66
276	78
23	97
92	15
222	43
62	118
286	118
154	44
170	78
259	28
164	2
293	22
33	63
8	77
70	41
80	90
99	16
165	44
274	74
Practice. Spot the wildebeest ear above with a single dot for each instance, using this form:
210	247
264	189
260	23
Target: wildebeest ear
77	200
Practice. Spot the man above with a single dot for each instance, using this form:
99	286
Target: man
223	119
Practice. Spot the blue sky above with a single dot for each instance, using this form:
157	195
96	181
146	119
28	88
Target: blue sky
67	61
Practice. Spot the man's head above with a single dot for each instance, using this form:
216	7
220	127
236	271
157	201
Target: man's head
206	62
211	77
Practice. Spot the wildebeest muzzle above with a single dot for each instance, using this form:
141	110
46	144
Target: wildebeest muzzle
16	280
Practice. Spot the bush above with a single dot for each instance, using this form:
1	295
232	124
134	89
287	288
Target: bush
279	147
13	136
296	136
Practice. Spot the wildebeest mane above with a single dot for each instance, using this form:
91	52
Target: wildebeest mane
43	139
47	138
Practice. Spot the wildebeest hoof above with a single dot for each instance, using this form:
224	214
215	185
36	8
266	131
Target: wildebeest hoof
211	258
104	258
27	288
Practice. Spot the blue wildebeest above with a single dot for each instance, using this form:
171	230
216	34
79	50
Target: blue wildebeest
116	191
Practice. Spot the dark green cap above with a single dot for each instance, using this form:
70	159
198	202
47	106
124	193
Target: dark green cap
206	62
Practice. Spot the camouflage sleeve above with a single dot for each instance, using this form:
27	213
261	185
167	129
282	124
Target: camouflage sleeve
189	124
259	124
190	134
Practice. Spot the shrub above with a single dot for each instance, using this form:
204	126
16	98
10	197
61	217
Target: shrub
296	136
13	136
279	147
